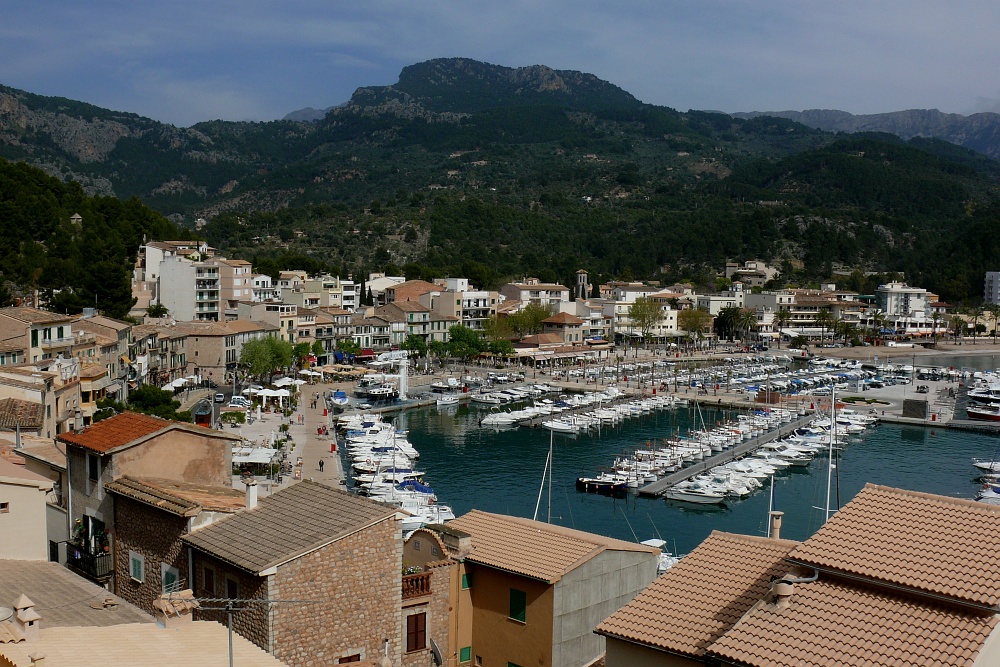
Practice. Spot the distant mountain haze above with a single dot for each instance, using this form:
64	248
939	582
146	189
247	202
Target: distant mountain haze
979	132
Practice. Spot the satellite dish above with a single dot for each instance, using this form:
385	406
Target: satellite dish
7	612
436	653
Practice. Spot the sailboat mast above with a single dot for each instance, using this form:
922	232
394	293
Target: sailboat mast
833	436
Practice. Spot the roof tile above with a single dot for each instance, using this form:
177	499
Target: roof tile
532	548
699	599
842	621
921	541
116	431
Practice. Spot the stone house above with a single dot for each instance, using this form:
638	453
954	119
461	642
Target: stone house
150	517
325	566
568	327
894	579
140	446
524	592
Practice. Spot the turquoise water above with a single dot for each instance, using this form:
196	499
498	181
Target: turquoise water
473	467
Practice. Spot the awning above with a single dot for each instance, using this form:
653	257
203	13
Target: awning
254	454
113	388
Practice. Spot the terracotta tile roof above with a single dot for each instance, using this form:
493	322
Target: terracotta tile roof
562	318
541	339
42	449
287	524
532	548
116	431
33	315
830	622
181	498
945	546
409	306
411	290
26	414
245	326
696	601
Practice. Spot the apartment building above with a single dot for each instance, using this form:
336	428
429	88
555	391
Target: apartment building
532	290
190	290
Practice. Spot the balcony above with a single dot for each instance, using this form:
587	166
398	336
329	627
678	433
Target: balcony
97	567
48	343
416	585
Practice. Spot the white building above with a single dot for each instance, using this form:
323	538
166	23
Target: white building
991	289
189	290
901	300
532	290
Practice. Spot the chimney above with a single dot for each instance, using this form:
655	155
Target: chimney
26	618
173	609
251	494
776	524
782	591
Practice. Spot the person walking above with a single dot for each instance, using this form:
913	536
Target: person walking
321	465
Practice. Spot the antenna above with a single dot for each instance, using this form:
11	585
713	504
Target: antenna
229	608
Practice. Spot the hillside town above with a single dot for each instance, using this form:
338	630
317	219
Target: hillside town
128	538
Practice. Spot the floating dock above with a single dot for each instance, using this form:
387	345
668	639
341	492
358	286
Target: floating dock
661	485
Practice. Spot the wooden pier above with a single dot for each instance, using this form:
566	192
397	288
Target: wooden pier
661	485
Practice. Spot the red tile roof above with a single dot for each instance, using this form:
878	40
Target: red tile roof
563	318
699	599
116	431
930	543
830	622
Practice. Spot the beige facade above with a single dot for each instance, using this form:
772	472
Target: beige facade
23	494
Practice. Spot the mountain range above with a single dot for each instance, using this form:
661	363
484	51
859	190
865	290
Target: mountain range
491	172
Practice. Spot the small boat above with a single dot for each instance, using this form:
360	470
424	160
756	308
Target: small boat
604	485
448	399
339	398
984	412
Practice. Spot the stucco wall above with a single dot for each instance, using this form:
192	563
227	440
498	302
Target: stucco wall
496	637
589	594
22	527
179	455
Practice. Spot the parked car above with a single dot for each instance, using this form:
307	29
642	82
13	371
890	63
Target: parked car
220	398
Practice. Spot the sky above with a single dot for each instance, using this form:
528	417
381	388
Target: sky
186	61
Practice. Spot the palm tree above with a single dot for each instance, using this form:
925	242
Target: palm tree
994	310
824	318
747	321
781	319
976	313
936	319
878	321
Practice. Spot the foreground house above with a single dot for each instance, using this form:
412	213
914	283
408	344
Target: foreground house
325	566
896	578
528	593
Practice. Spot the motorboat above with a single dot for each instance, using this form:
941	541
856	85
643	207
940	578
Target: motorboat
448	399
696	492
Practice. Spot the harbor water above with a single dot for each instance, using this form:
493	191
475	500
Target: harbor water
476	467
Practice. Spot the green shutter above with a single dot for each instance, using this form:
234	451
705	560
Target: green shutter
518	604
465	654
466	585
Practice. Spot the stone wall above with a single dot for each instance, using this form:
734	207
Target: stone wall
358	581
251	621
437	606
155	535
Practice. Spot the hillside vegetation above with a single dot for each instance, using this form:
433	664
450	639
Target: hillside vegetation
466	168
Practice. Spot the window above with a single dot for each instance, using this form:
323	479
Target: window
232	588
465	654
416	632
4	508
350	658
518	604
34	338
466	582
136	566
208	581
511	664
93	467
168	578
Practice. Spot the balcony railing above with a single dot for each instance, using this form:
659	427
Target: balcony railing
94	566
416	585
57	342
